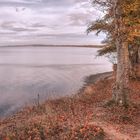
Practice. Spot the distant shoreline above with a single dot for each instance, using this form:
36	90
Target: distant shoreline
39	45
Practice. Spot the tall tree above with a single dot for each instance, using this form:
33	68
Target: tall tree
119	22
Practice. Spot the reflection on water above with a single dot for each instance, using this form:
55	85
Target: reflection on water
54	72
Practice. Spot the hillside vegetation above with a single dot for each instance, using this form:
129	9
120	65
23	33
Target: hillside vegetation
86	116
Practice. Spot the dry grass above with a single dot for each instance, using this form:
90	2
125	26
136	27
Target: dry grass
75	118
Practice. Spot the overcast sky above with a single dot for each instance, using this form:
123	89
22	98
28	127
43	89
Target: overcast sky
47	22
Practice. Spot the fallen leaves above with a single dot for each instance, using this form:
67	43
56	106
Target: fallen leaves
68	118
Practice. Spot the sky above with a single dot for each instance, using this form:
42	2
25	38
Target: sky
50	22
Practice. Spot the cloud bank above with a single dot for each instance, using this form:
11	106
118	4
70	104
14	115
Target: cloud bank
47	22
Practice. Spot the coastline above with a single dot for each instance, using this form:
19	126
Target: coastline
76	117
88	81
45	71
66	46
92	79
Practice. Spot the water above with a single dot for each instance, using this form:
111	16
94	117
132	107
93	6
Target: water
51	72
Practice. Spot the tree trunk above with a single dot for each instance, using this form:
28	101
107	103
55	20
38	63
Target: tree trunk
139	54
134	59
120	92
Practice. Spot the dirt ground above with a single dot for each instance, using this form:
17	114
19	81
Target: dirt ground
85	116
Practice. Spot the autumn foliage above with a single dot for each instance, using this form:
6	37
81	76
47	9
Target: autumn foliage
85	116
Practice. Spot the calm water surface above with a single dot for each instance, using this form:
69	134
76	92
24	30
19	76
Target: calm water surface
51	72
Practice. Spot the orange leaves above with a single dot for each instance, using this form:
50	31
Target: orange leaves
71	119
61	118
6	138
88	131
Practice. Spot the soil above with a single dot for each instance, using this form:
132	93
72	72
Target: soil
85	116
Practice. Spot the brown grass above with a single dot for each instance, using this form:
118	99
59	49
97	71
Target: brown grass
82	117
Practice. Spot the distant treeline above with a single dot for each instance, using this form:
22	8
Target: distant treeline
40	45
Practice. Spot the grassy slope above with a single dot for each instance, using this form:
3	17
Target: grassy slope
82	117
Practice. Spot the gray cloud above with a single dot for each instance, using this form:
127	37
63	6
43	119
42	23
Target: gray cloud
46	19
12	27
